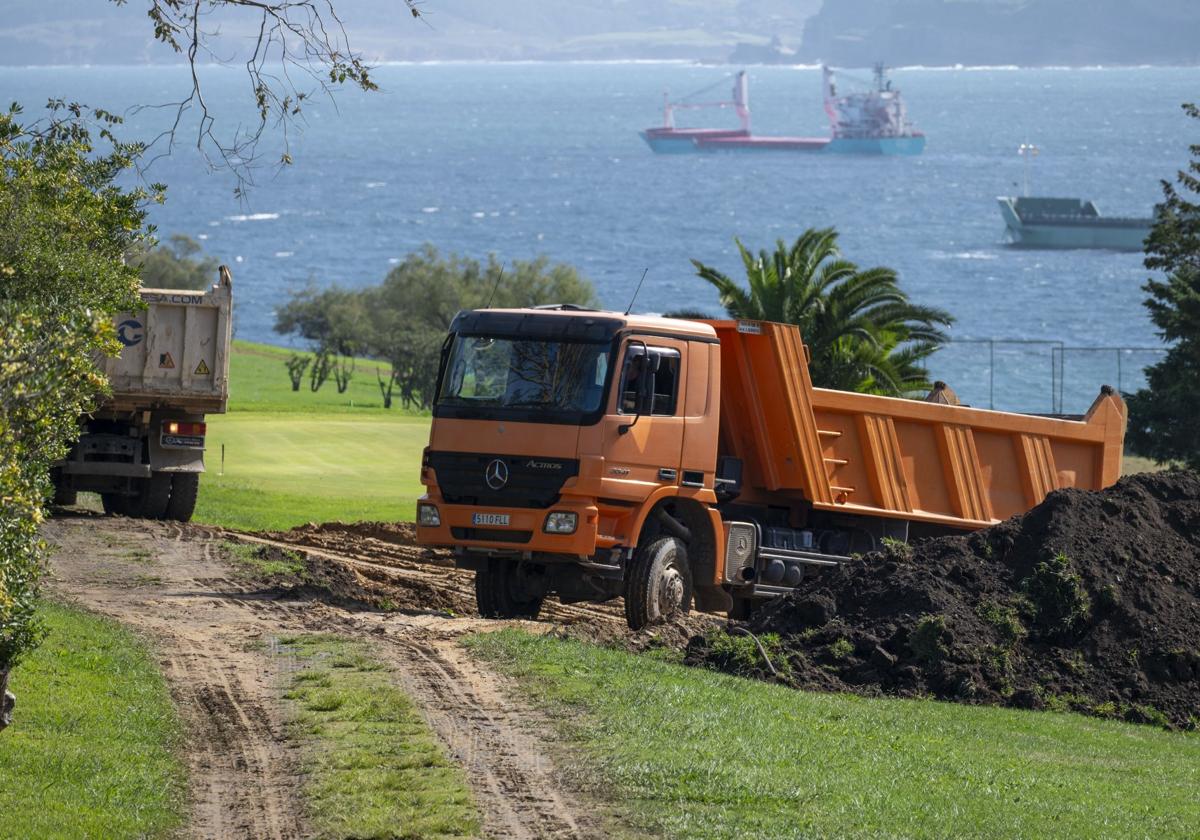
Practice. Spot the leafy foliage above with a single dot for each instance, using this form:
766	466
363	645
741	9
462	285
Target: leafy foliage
863	332
404	320
1165	417
64	230
178	264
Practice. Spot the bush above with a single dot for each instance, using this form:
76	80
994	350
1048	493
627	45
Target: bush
404	319
64	231
1060	603
930	639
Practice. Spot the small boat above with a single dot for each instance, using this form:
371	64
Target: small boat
1034	222
870	122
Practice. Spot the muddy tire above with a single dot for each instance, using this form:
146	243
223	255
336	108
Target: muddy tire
65	496
153	495
658	583
508	589
116	504
185	487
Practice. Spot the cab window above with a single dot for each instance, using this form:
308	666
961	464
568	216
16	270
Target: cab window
666	380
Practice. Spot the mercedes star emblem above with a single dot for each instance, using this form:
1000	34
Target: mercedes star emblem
496	474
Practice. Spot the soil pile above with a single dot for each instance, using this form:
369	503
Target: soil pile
1090	602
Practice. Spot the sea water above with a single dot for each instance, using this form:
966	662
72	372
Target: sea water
526	159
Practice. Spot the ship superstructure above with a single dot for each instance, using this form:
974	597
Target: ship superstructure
872	121
1034	222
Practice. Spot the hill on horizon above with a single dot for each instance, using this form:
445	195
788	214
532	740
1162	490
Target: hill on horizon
842	32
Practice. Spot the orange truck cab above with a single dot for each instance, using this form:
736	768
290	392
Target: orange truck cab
674	463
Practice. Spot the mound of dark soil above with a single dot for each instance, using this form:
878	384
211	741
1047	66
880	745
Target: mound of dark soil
1090	601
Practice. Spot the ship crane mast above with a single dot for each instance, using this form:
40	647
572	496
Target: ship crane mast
740	102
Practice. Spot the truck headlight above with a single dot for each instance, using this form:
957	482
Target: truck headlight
428	516
561	522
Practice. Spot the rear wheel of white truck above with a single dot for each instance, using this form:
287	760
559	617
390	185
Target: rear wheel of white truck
509	589
658	583
185	487
116	504
153	495
63	496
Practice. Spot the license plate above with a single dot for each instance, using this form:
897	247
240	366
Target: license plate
183	441
489	519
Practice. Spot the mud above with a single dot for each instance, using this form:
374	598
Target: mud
213	624
1089	602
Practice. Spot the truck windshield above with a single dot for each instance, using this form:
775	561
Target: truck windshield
487	376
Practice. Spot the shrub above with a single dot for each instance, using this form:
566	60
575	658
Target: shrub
64	230
1060	603
930	639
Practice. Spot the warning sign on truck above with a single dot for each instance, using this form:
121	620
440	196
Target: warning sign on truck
165	361
202	369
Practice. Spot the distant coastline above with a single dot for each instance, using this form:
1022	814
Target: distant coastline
602	62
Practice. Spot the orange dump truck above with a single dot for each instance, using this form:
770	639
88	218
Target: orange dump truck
674	463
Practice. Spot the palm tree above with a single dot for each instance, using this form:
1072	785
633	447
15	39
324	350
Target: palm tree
862	331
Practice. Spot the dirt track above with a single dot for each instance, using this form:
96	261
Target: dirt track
214	638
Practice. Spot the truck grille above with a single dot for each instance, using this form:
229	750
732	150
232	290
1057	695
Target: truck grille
492	535
532	482
740	550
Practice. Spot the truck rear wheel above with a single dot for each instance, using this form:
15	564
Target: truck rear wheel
184	489
508	589
115	504
64	496
153	495
658	583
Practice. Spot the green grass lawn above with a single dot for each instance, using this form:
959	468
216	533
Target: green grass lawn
258	381
92	750
283	470
696	754
373	768
293	457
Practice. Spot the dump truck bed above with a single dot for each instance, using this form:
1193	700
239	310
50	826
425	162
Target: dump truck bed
175	352
908	459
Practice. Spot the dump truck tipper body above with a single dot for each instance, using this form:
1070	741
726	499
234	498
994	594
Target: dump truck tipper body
142	448
673	462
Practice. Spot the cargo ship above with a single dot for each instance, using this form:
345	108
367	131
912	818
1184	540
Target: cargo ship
1070	223
870	122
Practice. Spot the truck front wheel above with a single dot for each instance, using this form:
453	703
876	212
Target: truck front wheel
508	589
184	489
658	583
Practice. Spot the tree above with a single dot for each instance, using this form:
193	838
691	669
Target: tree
179	264
689	314
290	50
65	227
1164	418
404	320
332	321
863	332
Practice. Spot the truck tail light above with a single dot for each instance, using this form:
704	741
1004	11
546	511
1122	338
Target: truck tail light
178	427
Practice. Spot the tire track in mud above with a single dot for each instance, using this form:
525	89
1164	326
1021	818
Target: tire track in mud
451	580
244	773
242	776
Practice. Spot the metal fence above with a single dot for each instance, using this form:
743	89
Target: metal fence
1043	377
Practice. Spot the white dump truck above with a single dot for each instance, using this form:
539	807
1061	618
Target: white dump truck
142	449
